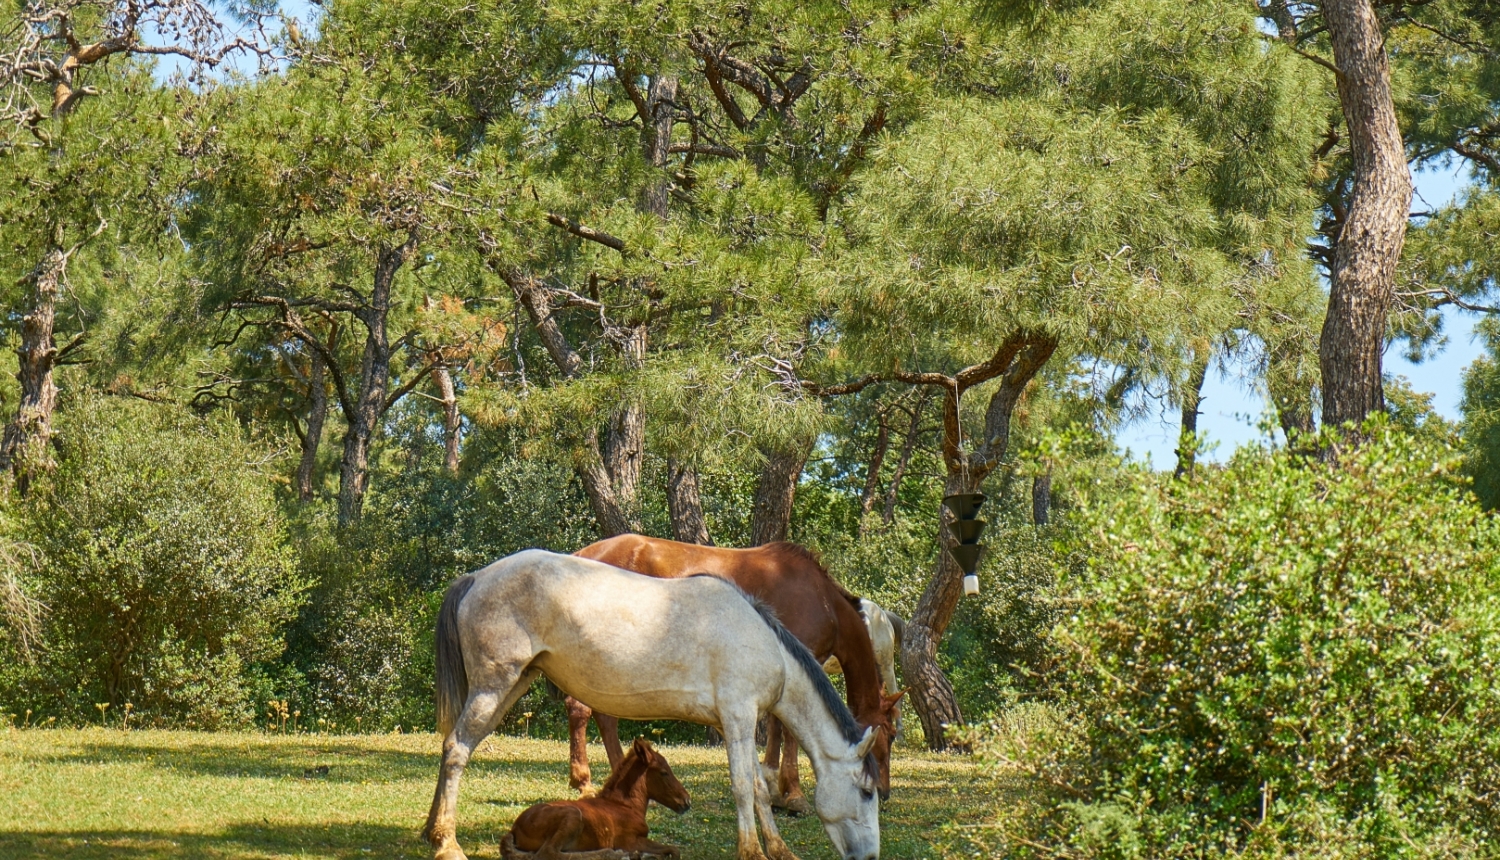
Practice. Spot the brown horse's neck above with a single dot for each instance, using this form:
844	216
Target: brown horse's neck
627	784
856	655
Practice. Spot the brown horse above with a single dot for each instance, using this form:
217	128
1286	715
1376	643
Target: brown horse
808	602
611	824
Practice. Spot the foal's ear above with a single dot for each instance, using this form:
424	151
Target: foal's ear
891	700
643	748
865	743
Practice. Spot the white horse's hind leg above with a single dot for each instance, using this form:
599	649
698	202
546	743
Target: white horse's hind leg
480	716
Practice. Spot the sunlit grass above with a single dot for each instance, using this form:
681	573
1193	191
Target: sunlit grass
107	793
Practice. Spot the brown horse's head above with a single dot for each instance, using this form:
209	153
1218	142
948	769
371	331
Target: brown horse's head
661	784
885	731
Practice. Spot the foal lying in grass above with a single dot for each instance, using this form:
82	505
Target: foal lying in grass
608	826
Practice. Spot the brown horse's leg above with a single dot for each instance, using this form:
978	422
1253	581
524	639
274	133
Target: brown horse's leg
578	745
772	762
790	782
609	732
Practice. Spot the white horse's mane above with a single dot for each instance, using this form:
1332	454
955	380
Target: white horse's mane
805	661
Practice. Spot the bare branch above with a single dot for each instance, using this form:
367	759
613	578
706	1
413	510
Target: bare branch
589	233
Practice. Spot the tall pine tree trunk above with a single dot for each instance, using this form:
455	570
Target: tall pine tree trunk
685	504
624	446
1370	239
771	510
1041	498
374	379
872	473
452	420
24	449
317	415
1192	396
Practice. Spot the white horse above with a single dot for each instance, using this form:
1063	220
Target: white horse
886	629
695	649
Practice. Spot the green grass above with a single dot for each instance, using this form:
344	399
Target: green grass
106	793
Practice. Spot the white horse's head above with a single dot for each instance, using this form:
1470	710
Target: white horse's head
847	804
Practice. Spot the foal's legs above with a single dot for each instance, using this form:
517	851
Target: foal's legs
481	714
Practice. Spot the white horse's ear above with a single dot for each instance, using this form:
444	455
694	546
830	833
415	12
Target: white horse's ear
865	743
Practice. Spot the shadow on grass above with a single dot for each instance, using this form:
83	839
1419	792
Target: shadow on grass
320	759
340	842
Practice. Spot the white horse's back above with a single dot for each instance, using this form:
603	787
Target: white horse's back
597	631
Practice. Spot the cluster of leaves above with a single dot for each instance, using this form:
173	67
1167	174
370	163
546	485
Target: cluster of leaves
168	574
1284	658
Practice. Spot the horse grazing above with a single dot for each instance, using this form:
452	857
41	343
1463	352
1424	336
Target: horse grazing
696	649
886	629
614	819
815	608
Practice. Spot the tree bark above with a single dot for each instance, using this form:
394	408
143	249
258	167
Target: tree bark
1041	498
1192	396
1016	362
317	414
374	378
1370	239
625	445
771	511
609	515
685	505
452	420
872	473
24	449
907	448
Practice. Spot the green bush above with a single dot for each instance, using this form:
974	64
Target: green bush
166	573
1283	658
1481	423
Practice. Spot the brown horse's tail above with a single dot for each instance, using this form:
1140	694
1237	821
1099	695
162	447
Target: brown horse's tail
452	678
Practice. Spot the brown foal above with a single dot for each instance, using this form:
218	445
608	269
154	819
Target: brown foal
610	825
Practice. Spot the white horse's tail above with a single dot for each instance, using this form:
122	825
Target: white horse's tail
898	626
452	678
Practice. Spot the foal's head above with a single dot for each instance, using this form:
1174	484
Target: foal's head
644	762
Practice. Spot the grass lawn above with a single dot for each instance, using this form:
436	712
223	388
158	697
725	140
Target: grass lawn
106	793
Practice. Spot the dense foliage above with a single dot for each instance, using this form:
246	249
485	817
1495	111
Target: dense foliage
1281	658
163	563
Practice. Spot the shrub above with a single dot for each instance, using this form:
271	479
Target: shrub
1284	658
166	572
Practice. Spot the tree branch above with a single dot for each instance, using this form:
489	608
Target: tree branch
589	233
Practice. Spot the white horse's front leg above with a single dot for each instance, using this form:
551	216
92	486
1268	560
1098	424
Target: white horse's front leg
776	847
745	783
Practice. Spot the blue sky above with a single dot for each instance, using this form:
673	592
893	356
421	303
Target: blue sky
1233	405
